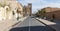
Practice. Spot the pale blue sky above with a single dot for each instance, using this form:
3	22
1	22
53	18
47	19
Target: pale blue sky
38	4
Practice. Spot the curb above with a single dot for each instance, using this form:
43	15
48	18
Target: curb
17	23
45	24
14	25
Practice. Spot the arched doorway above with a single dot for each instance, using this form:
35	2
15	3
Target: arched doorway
53	16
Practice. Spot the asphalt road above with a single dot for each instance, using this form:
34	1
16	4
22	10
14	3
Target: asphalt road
31	24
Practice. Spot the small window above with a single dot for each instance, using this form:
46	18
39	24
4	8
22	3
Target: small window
13	13
7	9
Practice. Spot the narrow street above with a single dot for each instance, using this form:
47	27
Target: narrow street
30	24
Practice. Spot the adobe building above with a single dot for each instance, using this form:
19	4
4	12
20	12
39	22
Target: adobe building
9	8
20	10
28	10
25	10
52	12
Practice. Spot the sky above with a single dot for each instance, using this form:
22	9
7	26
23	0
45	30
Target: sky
39	4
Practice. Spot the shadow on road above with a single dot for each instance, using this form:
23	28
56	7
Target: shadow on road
32	28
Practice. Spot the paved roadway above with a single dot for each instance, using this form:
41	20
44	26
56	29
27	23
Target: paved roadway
30	24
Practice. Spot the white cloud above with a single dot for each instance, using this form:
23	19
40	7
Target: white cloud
30	1
51	5
44	3
54	5
40	4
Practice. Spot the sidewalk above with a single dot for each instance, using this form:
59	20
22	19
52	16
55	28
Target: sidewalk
54	25
7	24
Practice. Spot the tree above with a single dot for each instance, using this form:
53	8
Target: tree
41	12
